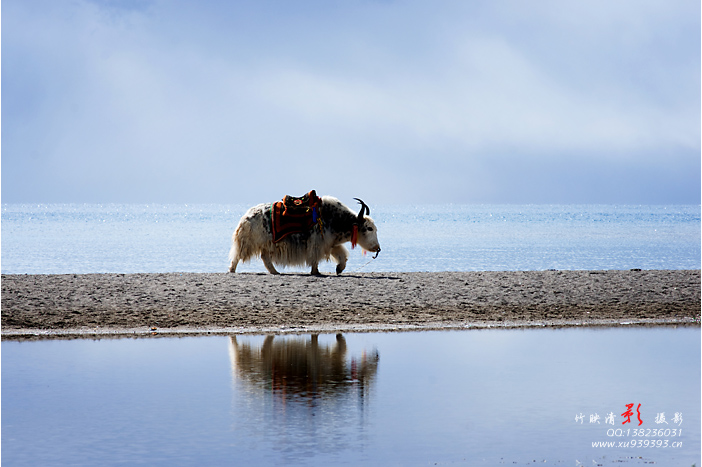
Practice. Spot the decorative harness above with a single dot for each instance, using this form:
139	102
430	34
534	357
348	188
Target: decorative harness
296	215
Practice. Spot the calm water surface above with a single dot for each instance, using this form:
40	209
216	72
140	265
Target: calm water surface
479	397
76	238
474	397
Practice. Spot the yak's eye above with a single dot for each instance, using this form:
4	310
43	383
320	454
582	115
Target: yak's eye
370	229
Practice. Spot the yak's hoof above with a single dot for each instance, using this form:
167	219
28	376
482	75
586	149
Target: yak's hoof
340	269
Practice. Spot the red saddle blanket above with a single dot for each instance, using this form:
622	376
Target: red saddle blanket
295	215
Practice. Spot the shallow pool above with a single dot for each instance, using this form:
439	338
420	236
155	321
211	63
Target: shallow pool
478	397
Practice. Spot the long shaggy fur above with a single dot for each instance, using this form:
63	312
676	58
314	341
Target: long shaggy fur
253	238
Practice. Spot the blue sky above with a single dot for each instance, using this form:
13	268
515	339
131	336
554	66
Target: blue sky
391	101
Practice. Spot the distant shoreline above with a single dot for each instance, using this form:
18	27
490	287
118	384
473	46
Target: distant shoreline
104	305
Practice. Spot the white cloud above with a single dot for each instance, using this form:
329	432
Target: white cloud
181	91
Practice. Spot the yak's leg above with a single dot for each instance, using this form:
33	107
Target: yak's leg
340	254
234	263
266	257
315	270
234	255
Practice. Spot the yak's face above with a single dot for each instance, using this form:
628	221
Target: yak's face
368	235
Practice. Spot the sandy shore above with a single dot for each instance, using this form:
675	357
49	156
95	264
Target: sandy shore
106	304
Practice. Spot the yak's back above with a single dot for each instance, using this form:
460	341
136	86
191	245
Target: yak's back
295	215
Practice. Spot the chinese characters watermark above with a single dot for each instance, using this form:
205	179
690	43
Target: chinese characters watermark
609	419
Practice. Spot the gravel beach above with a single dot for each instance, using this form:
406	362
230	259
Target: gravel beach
194	303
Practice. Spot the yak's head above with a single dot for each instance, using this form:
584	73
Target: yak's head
367	232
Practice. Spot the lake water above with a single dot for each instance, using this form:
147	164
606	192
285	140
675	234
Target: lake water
480	398
72	238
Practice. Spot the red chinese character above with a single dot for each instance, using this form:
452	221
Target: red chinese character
629	413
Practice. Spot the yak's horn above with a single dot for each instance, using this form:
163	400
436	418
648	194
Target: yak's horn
364	207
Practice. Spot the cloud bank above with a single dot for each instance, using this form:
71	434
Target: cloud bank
392	101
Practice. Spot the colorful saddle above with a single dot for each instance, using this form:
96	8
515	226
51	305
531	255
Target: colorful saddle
295	215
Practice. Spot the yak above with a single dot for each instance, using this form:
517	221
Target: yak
332	225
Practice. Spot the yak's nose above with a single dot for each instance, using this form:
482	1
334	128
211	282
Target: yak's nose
377	252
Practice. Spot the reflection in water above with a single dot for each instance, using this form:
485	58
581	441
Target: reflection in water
293	367
488	397
300	396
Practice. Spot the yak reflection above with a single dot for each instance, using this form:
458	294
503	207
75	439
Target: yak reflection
294	367
291	392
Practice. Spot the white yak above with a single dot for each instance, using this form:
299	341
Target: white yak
253	237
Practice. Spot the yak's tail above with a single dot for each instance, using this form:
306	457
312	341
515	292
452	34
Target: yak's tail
246	243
